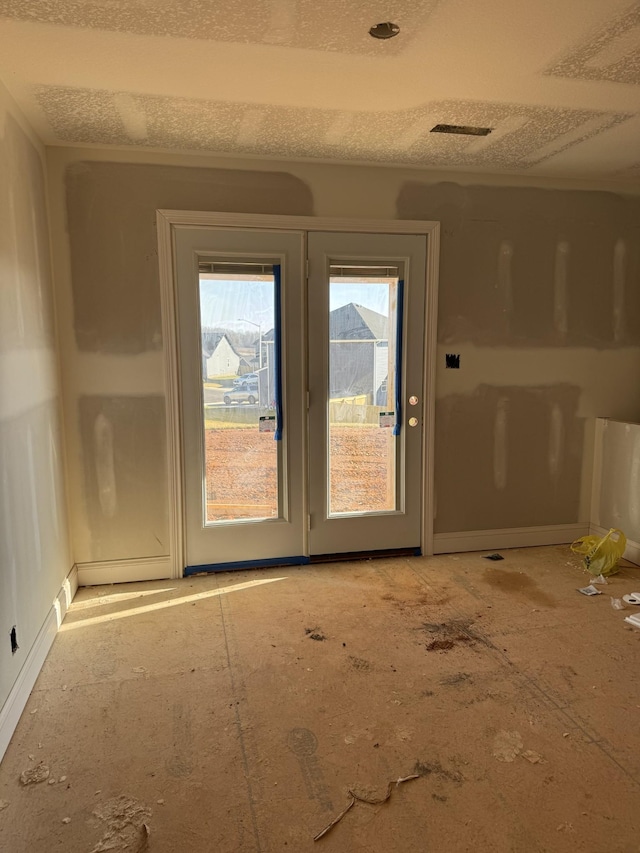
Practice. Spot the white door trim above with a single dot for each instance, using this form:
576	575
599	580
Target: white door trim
167	221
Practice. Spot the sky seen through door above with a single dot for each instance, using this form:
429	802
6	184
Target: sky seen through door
248	300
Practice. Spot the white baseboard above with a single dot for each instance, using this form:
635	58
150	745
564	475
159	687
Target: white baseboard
124	571
632	551
514	537
17	698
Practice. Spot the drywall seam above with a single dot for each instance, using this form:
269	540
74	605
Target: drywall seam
21	690
124	571
42	373
516	537
18	397
596	370
316	171
60	377
11	106
60	251
118	375
588	462
596	477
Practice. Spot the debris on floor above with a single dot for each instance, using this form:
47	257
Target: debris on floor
618	603
372	801
456	679
36	774
440	645
449	634
315	634
506	745
533	757
633	620
126	826
632	598
601	555
493	556
66	820
589	590
360	664
427	768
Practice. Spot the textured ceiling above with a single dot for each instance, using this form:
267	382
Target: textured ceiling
293	23
522	136
559	84
611	53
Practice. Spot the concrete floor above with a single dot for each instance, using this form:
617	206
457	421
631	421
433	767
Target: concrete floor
211	711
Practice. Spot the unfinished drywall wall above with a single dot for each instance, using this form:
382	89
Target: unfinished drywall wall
110	310
533	267
34	554
617	485
508	457
540	296
114	255
123	452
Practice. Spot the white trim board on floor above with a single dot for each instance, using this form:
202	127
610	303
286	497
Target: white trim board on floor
515	537
122	571
21	690
632	551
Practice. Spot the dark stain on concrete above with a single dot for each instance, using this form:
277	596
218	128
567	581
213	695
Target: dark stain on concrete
517	583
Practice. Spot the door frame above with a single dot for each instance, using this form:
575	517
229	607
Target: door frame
167	221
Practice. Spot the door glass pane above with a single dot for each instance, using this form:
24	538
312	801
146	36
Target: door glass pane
240	476
362	356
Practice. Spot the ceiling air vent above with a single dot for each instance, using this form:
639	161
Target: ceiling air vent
461	129
386	30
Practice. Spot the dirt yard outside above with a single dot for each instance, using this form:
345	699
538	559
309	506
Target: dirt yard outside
242	462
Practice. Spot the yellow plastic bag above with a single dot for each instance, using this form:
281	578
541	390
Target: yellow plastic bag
601	554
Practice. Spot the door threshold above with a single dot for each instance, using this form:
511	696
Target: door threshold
365	555
272	563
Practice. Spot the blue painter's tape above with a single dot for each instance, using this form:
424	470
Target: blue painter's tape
277	345
398	382
246	564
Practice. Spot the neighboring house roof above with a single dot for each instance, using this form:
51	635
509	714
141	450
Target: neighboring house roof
247	352
354	322
211	341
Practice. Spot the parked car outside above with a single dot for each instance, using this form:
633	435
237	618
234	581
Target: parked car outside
248	394
246	380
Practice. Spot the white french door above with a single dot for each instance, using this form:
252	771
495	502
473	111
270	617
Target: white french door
301	373
365	355
244	497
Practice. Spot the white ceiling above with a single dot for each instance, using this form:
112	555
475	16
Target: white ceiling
557	80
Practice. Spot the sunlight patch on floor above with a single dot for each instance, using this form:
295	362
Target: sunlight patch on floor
160	605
